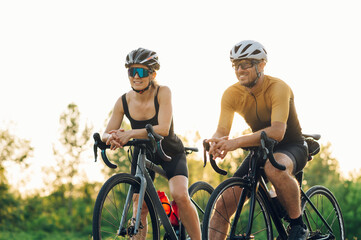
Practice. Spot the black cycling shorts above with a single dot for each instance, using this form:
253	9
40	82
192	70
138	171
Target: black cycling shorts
298	152
177	166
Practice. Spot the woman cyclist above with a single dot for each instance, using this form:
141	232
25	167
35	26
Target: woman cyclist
150	103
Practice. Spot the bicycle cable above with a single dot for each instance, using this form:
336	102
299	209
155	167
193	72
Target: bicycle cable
135	164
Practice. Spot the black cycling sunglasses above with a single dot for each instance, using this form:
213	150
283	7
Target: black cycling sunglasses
244	64
142	72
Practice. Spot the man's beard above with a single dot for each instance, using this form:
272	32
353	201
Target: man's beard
250	84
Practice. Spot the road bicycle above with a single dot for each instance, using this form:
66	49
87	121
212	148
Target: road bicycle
118	207
256	205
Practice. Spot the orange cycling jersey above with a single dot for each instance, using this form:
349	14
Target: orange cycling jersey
273	101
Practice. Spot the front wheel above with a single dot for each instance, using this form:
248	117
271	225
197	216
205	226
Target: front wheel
110	206
220	220
329	224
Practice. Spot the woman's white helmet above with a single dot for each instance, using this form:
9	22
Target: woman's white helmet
248	49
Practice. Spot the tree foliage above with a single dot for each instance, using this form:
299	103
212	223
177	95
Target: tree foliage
74	141
13	150
322	169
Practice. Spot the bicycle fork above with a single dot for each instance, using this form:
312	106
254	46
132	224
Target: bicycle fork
242	200
143	184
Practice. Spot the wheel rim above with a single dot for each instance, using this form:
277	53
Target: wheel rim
199	193
330	211
261	222
111	212
200	200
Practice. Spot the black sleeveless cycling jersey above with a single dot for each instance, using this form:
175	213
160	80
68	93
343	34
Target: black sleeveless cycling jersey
171	144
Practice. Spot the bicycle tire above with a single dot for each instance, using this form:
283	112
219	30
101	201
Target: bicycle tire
199	192
262	225
110	204
327	205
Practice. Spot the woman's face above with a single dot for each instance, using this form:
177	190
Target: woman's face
139	78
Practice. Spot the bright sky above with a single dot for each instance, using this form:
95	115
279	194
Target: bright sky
53	53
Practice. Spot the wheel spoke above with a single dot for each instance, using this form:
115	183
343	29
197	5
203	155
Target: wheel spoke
220	217
110	204
326	204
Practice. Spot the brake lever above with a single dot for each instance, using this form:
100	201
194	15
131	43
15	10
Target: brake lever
99	144
268	150
264	149
206	147
157	142
95	148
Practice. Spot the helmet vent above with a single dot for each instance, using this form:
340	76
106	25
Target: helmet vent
236	48
248	49
255	52
245	49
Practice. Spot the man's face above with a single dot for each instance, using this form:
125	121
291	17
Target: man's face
246	71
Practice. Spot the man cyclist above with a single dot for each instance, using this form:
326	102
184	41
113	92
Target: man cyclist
267	104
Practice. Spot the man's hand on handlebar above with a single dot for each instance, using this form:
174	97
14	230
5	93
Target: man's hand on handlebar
219	147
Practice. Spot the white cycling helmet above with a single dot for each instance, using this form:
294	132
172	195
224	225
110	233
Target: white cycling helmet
248	49
143	56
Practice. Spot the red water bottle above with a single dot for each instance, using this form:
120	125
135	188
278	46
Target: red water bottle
165	202
174	217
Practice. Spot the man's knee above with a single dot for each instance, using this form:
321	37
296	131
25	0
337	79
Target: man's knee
273	173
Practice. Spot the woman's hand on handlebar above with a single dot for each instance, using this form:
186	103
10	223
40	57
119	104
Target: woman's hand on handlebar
117	138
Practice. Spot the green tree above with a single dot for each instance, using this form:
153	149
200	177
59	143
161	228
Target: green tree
348	195
68	158
13	150
323	169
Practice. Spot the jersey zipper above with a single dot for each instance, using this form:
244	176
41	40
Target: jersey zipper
255	99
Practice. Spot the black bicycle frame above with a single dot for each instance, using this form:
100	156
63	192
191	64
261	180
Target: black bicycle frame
256	183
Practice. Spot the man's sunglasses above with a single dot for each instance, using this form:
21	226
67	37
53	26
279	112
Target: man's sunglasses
244	64
142	72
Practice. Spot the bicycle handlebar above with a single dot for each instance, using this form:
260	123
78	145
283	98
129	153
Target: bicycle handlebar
267	145
206	147
154	141
266	148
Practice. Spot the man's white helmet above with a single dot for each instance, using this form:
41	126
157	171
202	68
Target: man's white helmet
248	49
